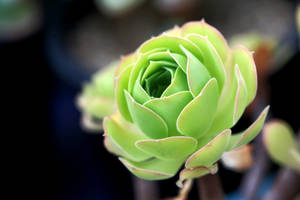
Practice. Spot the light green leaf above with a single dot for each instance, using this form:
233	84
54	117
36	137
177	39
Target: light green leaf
212	60
140	65
147	120
170	148
123	136
153	169
161	56
125	62
180	60
197	116
210	153
169	108
154	66
171	43
250	133
138	92
244	59
120	86
280	142
179	83
197	74
214	36
241	97
232	102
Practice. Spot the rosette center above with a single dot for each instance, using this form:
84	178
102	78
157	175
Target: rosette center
157	82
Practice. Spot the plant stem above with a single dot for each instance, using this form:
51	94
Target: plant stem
210	187
145	190
254	177
286	185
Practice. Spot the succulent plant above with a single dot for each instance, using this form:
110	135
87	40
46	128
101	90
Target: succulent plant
178	95
280	142
97	98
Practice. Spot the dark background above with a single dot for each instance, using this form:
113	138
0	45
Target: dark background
60	160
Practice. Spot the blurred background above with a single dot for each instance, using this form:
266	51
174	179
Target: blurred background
56	45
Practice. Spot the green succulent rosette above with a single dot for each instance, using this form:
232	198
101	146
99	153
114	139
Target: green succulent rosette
178	95
97	97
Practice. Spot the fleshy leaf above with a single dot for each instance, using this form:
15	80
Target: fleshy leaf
250	133
280	142
197	74
210	153
161	56
244	59
169	148
197	116
140	65
172	43
155	66
148	121
125	62
240	102
212	60
179	83
138	92
153	169
121	85
180	60
123	136
214	36
111	147
232	102
197	172
169	108
176	31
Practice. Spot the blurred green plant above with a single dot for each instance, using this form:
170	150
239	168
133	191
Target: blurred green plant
117	7
178	96
280	142
97	98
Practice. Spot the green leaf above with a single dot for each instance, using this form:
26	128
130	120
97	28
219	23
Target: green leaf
125	62
123	136
104	80
141	63
212	60
169	108
197	116
244	59
197	74
214	36
241	97
171	43
179	83
154	66
250	133
196	172
161	56
180	60
232	102
280	142
153	169
147	120
121	85
138	92
210	153
170	148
